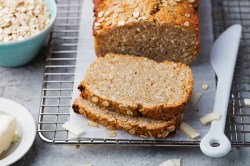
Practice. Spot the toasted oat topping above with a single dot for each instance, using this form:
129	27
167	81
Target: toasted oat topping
121	12
186	23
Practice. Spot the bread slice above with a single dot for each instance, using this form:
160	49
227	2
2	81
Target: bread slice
158	29
140	126
138	86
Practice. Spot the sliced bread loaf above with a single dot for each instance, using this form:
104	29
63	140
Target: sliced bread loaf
138	86
141	126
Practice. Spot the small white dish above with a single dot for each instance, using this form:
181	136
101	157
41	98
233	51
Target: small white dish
26	128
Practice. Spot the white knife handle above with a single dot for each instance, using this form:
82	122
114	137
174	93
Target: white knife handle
216	132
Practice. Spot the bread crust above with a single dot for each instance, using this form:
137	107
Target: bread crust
161	111
134	126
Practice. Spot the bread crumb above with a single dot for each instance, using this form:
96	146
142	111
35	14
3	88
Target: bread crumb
93	124
112	134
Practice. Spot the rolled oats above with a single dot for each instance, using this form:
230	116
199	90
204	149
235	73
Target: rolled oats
21	19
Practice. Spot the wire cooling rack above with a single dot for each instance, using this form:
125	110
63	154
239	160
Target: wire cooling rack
60	68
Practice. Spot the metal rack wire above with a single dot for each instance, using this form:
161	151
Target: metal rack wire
60	68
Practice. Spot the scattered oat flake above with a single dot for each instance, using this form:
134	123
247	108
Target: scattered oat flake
112	134
93	124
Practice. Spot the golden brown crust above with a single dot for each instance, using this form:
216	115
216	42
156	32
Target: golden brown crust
134	125
160	12
160	111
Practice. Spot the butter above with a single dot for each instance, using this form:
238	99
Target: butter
7	131
74	129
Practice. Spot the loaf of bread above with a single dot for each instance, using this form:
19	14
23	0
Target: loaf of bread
140	126
138	86
158	29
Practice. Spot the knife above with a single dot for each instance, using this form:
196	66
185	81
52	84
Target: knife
223	57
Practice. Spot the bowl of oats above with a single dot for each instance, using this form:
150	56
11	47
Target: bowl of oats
24	28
